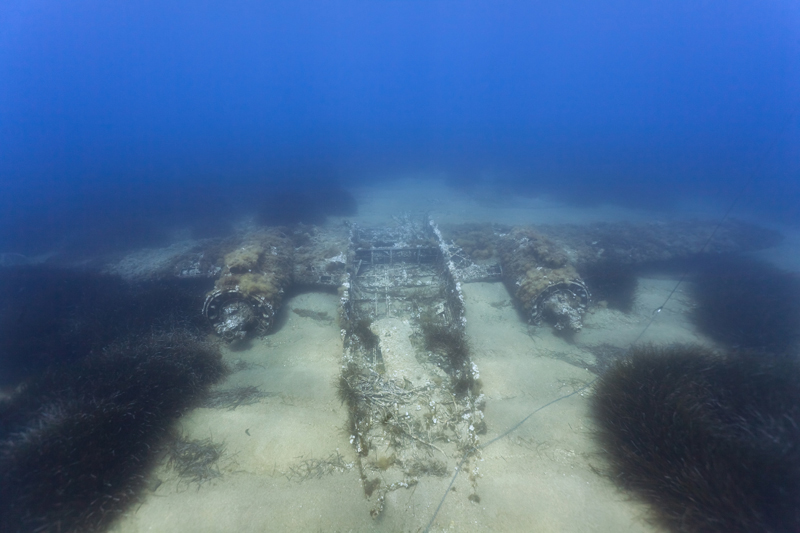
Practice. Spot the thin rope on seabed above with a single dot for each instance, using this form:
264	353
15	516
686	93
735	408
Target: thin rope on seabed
656	312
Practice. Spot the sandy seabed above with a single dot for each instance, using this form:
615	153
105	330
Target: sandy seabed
288	464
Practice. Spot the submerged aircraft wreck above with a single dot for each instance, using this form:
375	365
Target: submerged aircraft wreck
414	406
412	392
551	271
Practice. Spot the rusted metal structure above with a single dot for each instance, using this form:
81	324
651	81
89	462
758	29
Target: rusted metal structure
412	391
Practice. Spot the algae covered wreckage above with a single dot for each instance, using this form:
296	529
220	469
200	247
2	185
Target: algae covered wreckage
413	394
553	272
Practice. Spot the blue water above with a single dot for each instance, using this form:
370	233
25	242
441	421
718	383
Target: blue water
118	120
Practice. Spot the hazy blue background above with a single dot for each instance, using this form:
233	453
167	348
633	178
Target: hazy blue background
117	118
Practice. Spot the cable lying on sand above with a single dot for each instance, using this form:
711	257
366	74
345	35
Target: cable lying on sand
712	442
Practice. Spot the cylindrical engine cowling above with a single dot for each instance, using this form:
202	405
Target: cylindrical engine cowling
250	288
540	277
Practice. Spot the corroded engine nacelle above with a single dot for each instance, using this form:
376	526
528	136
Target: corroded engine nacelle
538	273
234	314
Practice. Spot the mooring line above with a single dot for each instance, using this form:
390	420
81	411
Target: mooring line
756	168
485	445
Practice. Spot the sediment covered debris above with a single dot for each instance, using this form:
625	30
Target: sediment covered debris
320	255
250	288
539	274
552	269
412	392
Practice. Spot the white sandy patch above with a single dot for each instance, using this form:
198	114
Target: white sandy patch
398	353
539	477
301	420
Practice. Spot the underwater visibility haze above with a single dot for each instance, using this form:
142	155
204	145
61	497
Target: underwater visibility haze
118	120
384	265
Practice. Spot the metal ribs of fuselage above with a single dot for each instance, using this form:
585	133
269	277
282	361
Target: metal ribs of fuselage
390	291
